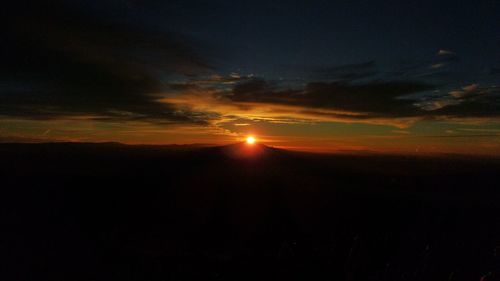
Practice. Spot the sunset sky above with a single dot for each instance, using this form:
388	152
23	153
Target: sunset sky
384	76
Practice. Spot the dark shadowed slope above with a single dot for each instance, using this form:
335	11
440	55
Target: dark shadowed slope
115	212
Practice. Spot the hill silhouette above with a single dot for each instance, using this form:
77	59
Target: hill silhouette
75	211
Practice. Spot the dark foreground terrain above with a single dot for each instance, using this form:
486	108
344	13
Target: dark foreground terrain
115	212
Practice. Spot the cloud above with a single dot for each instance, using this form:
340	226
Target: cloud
361	100
438	65
398	103
443	52
465	91
60	59
469	102
484	104
259	100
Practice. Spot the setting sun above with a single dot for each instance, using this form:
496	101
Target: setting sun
250	140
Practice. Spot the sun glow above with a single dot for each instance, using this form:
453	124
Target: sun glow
250	140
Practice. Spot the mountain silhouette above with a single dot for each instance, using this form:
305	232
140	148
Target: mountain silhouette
76	211
244	150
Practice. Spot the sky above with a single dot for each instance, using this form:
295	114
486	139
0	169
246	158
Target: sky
326	76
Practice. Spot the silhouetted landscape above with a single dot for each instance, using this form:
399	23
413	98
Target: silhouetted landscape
82	211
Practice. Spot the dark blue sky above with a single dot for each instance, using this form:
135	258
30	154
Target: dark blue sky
266	37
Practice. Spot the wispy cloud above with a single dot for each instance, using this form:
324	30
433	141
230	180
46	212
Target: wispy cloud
443	52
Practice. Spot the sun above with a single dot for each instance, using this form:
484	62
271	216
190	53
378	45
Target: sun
250	140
